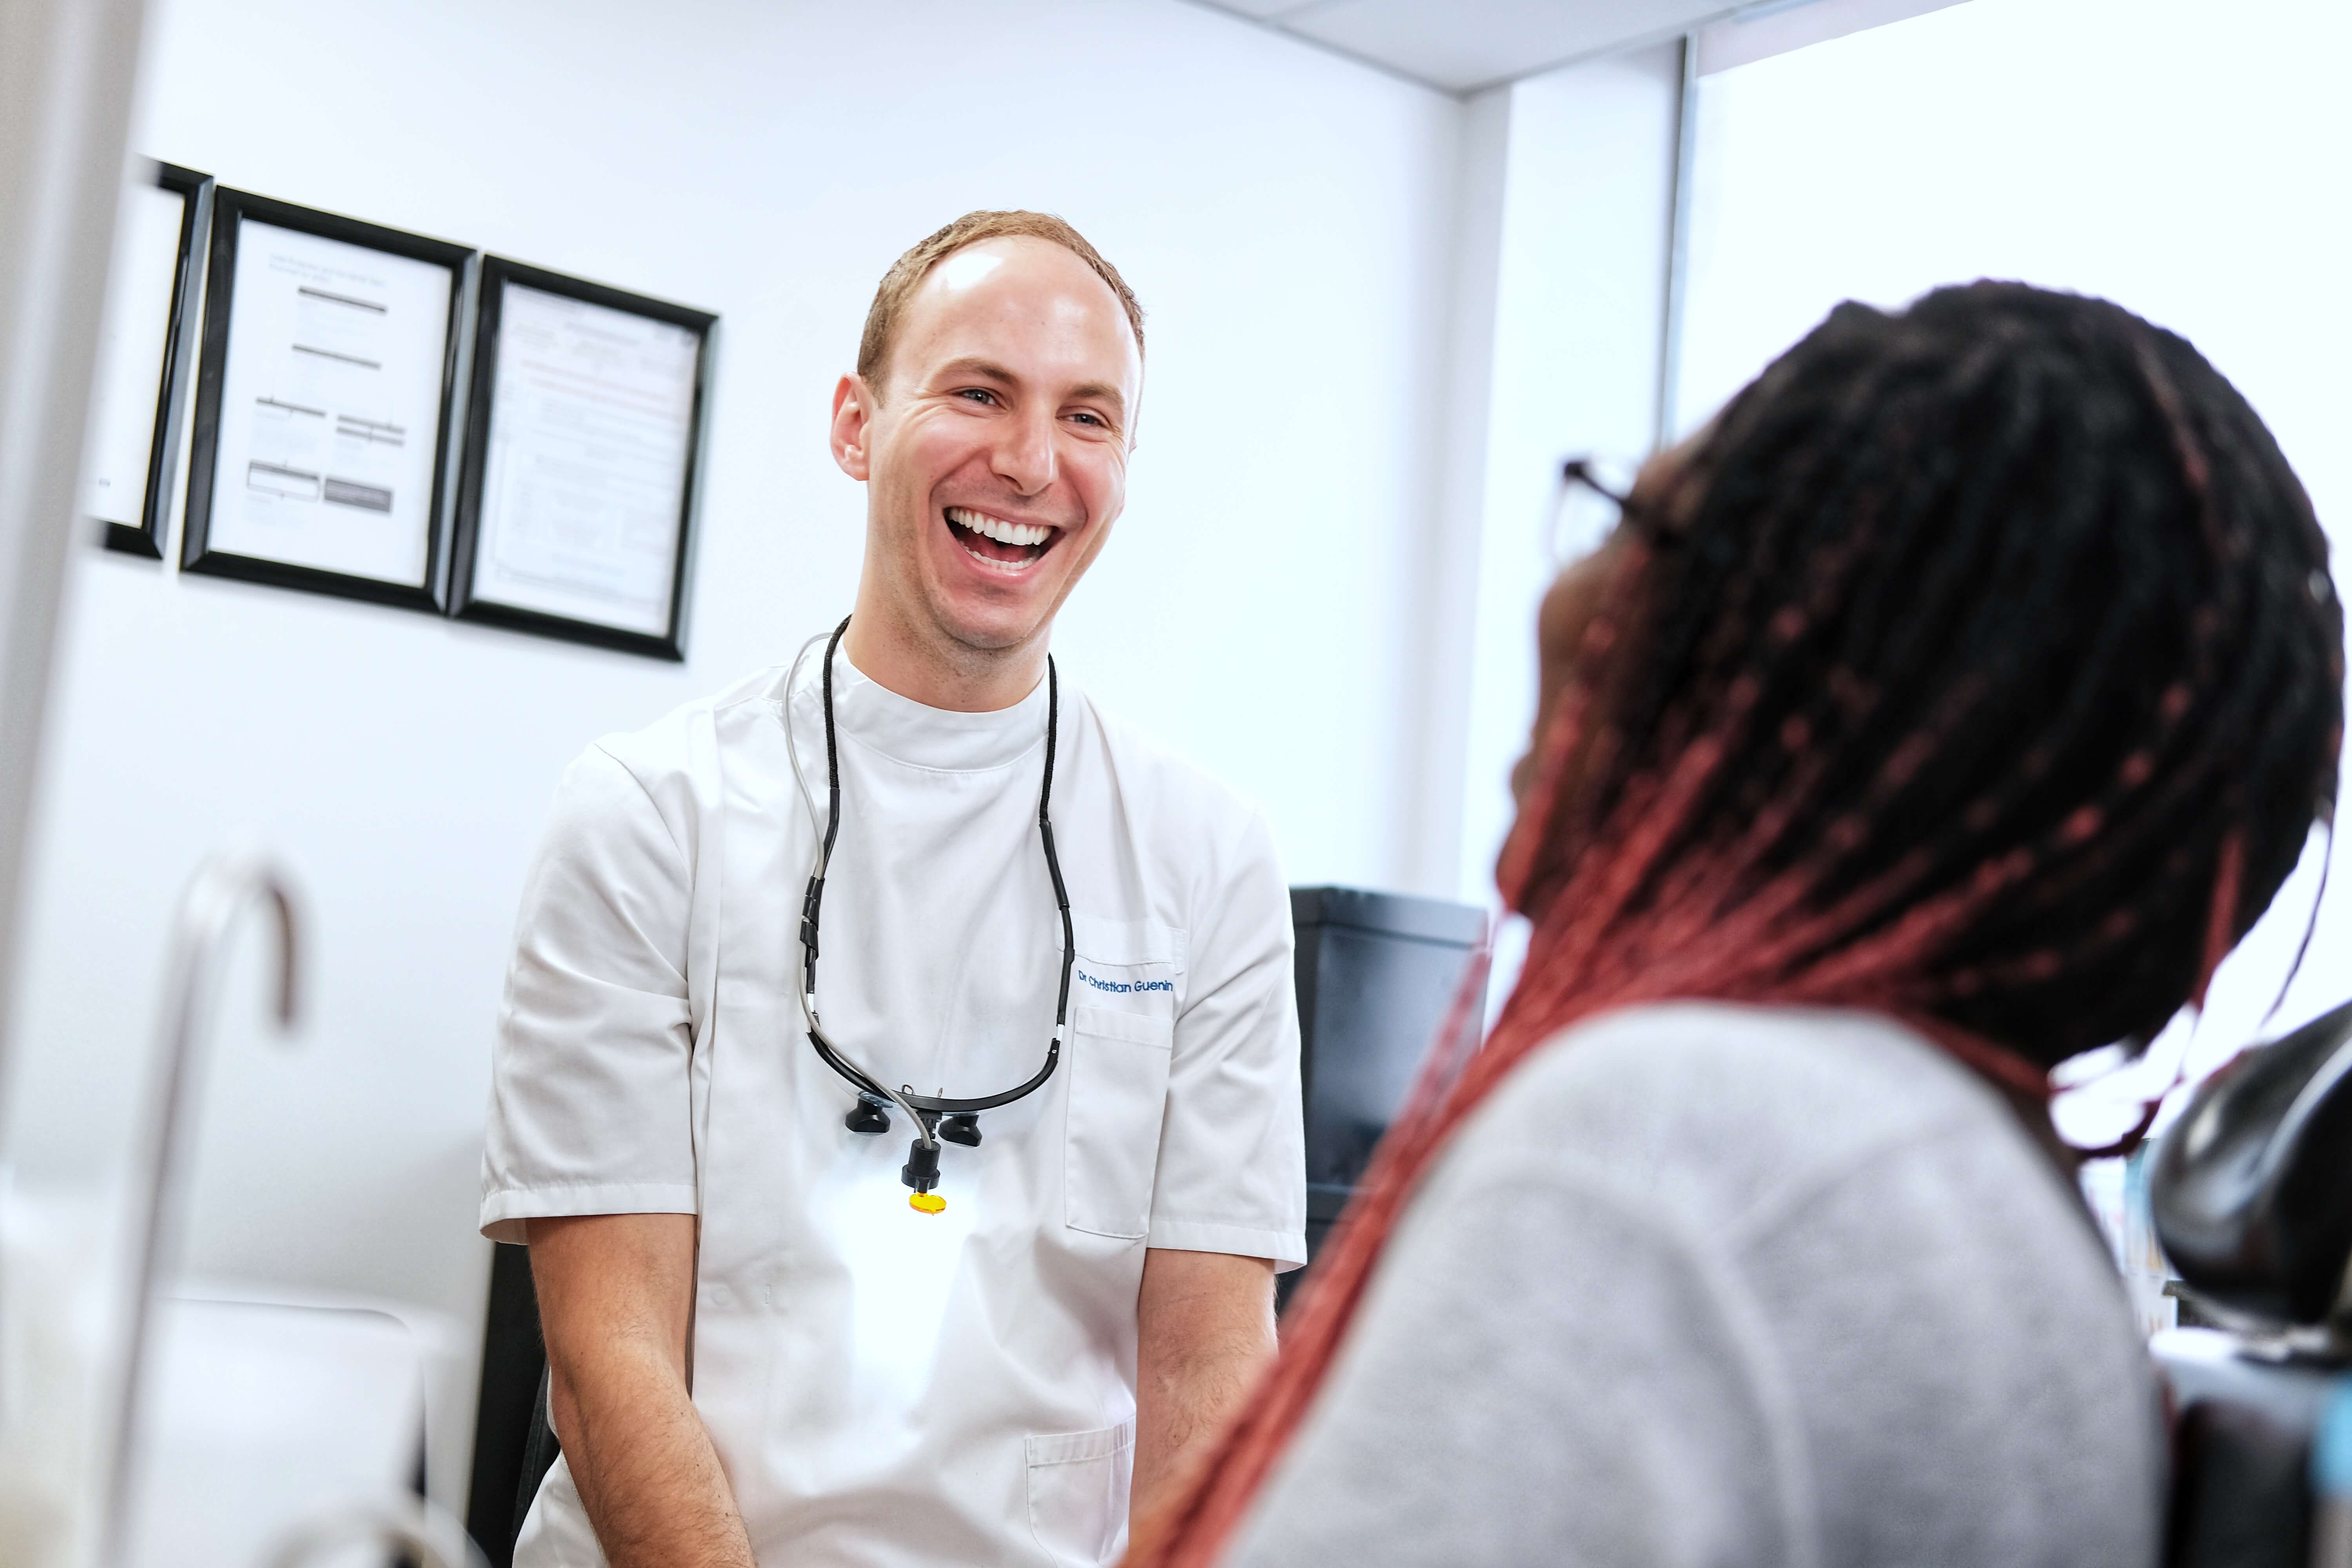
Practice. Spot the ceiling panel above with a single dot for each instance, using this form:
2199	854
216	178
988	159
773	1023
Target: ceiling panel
1459	45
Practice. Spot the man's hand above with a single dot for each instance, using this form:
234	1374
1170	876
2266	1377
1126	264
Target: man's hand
1204	1326
615	1296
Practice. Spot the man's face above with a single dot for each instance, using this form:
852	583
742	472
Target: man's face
995	453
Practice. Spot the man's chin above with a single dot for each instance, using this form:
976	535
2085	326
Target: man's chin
985	635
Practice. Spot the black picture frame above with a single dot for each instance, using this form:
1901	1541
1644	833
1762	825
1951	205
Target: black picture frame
230	208
147	539
496	273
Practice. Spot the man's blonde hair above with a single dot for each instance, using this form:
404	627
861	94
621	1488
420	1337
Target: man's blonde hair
908	271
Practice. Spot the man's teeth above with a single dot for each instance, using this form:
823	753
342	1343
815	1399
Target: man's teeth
1021	534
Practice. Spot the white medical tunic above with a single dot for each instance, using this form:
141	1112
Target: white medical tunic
883	1387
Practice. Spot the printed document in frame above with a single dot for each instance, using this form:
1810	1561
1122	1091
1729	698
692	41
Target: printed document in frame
581	460
592	431
330	407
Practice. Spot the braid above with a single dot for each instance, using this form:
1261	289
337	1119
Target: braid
1978	666
2065	756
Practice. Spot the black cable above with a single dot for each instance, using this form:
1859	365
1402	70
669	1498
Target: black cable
1053	861
922	1165
832	752
812	900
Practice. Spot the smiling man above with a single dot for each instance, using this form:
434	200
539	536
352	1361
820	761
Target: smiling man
928	1263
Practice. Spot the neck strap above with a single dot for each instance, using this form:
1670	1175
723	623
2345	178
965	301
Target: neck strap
930	1107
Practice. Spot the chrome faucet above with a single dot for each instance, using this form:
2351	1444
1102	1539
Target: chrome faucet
220	891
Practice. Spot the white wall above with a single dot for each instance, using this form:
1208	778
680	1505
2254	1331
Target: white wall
1580	301
2184	159
1453	561
1285	216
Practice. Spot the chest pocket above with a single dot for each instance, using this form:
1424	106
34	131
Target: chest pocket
1122	1034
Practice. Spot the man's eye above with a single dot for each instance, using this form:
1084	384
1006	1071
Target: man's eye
1095	420
978	395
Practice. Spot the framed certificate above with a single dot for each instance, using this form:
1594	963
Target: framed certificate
323	403
575	507
146	342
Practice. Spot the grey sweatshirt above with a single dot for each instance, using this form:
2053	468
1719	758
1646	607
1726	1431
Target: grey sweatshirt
1704	1285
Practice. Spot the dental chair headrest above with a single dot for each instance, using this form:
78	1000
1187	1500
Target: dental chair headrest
2251	1194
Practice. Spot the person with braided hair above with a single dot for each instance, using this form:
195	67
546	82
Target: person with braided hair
1949	706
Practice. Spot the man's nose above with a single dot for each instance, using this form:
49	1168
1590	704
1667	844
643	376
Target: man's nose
1024	454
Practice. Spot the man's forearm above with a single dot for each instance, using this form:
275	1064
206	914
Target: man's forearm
646	1471
1205	1334
613	1300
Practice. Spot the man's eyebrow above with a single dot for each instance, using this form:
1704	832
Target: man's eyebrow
986	368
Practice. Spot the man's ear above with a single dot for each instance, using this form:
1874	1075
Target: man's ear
853	420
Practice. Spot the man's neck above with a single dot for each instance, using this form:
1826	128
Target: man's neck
924	666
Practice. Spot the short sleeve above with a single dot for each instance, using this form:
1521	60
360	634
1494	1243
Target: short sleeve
1544	1371
591	1100
1233	1162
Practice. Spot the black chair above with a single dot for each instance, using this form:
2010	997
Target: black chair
1377	974
2252	1199
513	1446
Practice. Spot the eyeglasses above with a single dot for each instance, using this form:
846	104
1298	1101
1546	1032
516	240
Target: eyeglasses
1595	496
